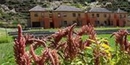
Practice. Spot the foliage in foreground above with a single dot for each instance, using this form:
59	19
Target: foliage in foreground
73	50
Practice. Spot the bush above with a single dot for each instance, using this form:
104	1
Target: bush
5	39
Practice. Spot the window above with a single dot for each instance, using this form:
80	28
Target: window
59	15
65	22
79	14
42	14
105	15
97	23
97	15
50	11
92	15
105	22
65	15
36	14
74	14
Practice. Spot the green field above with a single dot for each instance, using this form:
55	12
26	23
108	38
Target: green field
6	48
77	28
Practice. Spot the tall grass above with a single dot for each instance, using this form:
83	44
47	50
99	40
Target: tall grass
6	48
5	39
6	54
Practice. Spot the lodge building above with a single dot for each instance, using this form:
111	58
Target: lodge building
65	15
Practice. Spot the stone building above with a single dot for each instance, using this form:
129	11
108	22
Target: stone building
65	15
61	16
98	16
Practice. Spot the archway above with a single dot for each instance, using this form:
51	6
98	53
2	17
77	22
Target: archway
52	24
36	24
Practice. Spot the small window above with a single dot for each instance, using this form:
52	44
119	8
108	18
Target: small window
50	11
97	22
36	14
105	22
42	14
79	14
97	15
105	15
65	22
59	15
92	15
65	15
124	22
74	14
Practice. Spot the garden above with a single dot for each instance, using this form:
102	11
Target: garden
67	46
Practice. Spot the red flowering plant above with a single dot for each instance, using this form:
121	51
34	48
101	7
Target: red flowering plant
69	48
29	57
56	51
121	40
22	57
122	54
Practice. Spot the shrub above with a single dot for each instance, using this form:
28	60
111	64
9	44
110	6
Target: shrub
5	39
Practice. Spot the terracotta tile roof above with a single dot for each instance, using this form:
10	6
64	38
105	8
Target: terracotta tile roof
99	10
67	8
120	11
37	8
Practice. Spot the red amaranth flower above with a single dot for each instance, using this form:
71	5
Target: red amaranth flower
22	57
121	39
87	30
47	55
